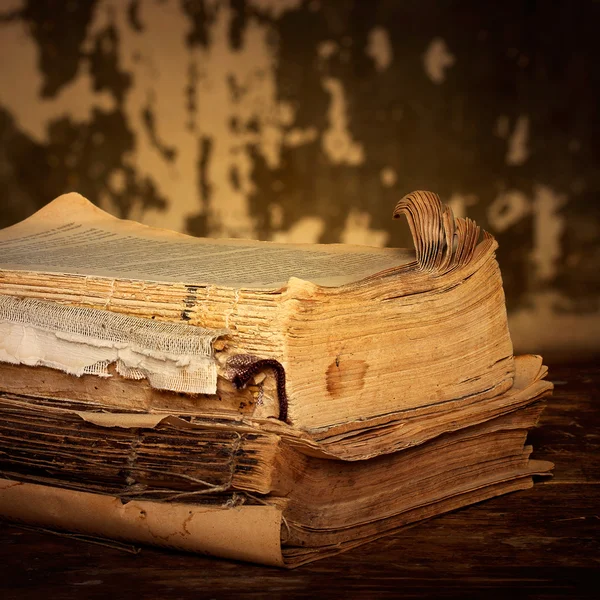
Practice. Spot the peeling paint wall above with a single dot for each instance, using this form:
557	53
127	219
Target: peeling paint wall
306	120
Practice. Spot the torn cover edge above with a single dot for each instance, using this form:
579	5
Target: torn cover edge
248	533
77	340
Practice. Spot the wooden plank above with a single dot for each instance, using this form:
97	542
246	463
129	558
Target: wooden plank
544	541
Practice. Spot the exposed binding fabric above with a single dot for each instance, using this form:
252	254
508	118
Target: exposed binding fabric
77	340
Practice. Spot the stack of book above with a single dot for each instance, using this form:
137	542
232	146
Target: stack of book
252	400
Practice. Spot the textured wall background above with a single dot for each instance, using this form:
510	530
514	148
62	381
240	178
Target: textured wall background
306	120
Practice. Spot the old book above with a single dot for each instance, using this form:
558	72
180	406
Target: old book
348	335
143	477
202	393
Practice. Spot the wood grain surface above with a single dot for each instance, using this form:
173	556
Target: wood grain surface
539	543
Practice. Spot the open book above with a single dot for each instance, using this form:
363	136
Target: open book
346	334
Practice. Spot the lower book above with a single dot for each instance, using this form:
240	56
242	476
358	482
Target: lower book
329	507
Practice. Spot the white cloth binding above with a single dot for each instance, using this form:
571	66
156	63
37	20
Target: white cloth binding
78	341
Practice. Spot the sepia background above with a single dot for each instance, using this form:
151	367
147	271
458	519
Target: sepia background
306	121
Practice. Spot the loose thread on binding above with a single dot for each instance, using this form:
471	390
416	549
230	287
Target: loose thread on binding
80	537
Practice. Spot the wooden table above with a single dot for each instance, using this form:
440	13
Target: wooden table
540	543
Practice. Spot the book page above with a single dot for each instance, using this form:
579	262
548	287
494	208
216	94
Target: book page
72	236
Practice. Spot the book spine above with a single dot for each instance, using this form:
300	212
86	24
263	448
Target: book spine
165	461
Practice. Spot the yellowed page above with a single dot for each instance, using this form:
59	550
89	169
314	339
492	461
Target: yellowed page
248	533
71	235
